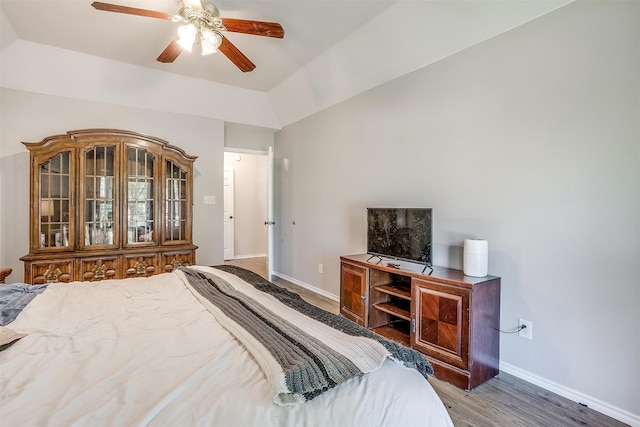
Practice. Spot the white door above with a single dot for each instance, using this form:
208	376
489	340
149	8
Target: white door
228	214
270	220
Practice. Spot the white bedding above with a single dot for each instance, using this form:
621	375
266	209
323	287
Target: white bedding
146	352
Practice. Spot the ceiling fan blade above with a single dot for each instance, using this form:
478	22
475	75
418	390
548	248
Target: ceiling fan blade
171	52
230	51
108	7
256	28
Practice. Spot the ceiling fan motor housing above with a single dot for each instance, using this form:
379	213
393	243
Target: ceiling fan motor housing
208	17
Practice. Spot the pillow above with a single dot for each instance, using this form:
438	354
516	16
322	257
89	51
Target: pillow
8	337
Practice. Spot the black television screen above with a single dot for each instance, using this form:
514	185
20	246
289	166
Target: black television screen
400	233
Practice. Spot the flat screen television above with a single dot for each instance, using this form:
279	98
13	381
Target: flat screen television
400	233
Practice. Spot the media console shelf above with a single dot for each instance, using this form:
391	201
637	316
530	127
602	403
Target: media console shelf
451	318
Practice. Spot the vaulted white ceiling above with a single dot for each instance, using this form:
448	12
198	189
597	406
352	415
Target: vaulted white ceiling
332	50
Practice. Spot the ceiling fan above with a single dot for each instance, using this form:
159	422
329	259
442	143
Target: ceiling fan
203	26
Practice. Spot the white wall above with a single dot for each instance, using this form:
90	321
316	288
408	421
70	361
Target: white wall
30	117
246	137
530	140
7	33
250	208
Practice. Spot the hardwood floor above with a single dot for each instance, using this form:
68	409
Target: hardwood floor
502	401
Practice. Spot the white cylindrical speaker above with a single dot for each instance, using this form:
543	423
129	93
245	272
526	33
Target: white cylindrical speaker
475	259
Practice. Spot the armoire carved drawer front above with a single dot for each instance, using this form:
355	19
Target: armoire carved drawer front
101	268
50	271
174	260
140	265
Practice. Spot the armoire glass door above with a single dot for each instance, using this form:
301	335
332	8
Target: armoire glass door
176	199
55	201
140	196
100	196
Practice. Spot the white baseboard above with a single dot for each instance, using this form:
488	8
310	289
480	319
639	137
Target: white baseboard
249	256
576	396
307	286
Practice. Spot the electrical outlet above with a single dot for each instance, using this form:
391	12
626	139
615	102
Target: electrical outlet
527	332
320	268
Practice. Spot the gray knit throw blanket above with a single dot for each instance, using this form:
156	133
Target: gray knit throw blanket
302	350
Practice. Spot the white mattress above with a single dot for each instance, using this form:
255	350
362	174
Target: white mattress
146	352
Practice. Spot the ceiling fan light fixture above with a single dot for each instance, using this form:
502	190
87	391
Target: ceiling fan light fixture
203	26
187	35
211	41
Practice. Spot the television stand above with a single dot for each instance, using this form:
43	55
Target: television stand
397	264
452	319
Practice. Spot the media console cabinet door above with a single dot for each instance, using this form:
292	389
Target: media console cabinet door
353	292
442	322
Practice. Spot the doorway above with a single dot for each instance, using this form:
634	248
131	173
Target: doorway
247	208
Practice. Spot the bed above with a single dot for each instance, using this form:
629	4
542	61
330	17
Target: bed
184	348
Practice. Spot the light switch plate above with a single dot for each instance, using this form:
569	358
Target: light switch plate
209	200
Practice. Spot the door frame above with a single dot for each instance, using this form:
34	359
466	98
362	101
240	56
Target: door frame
228	199
270	220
